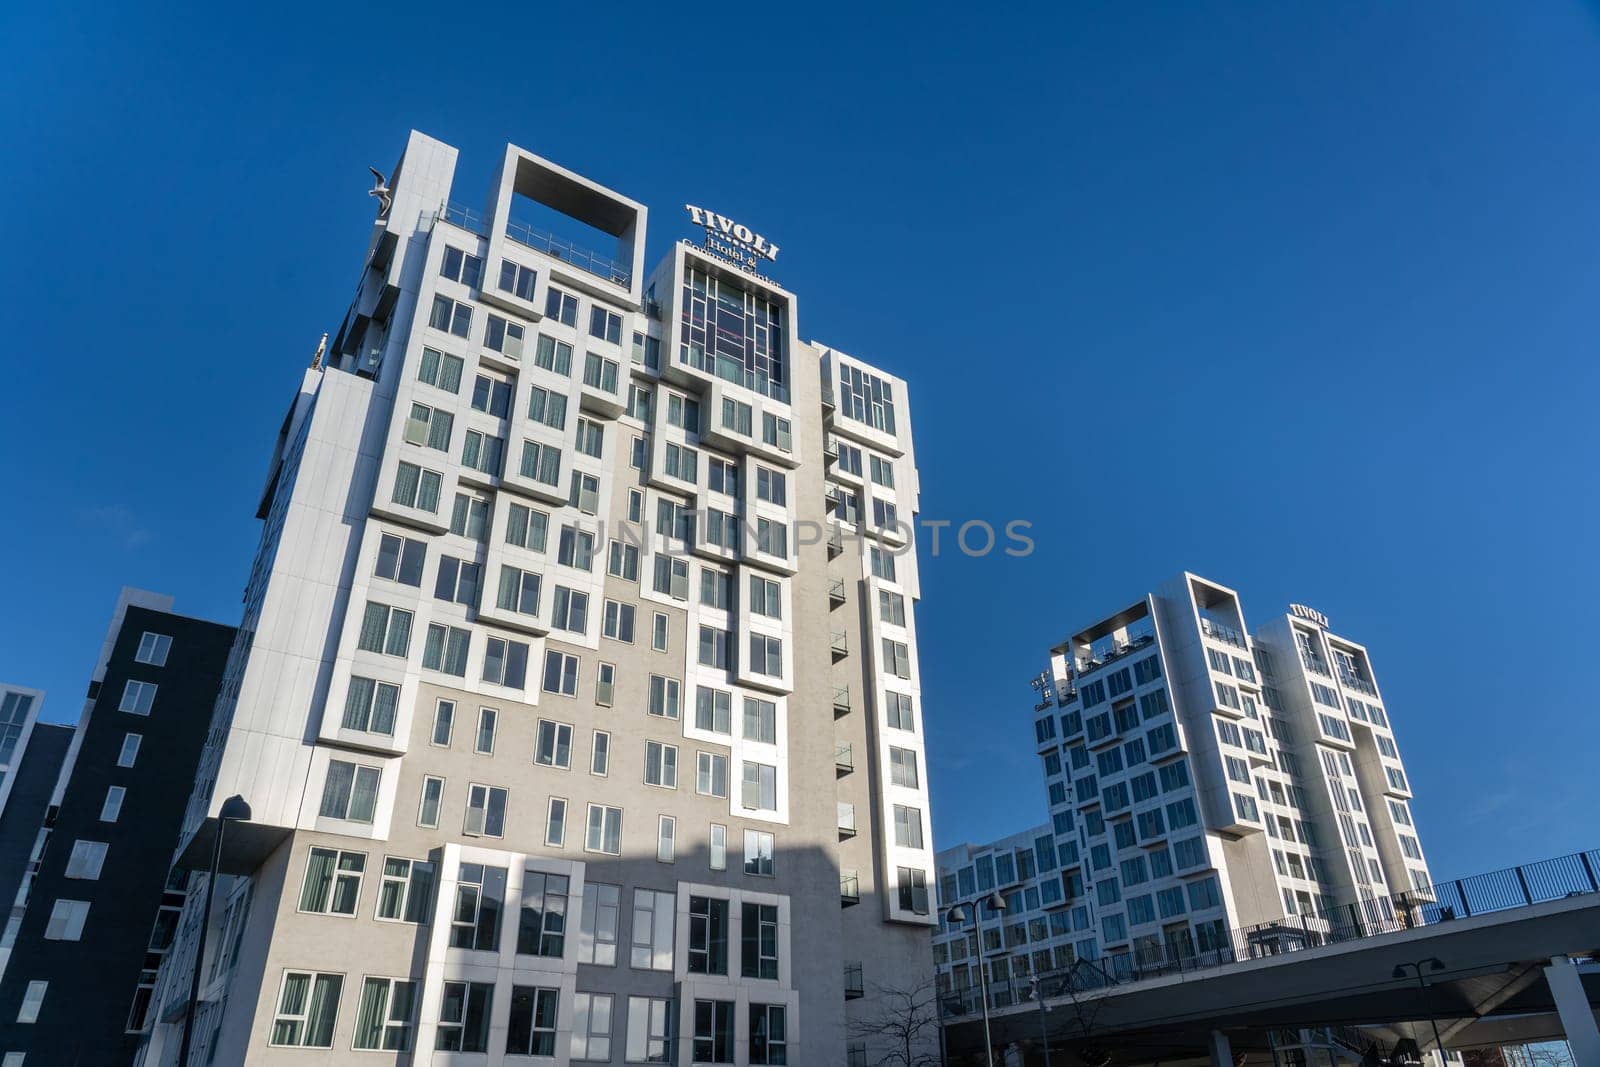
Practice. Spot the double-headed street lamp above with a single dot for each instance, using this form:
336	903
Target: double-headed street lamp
1434	964
234	809
958	917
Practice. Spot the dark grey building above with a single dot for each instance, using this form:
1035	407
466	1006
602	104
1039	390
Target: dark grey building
31	754
102	908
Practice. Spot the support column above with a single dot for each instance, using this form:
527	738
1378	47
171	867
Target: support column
1221	1050
1572	1004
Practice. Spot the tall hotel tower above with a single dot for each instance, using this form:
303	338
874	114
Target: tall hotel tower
572	725
1211	789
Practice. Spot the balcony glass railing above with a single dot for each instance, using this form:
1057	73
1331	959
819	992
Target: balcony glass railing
1222	632
1315	663
564	250
1358	683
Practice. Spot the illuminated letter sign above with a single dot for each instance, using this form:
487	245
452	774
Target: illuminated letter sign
720	229
1310	614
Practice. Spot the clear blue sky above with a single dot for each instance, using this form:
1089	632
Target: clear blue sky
1301	297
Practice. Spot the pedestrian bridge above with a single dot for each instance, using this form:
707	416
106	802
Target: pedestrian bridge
1516	952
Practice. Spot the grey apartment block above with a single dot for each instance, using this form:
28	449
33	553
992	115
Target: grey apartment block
1208	782
573	725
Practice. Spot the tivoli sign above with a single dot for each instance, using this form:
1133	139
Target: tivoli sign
732	240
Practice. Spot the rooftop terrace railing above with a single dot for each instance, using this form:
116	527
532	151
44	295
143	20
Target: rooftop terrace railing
564	250
1574	875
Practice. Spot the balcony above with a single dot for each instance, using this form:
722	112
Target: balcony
1112	653
1315	663
841	701
847	820
844	760
557	248
1356	682
854	985
830	447
839	642
849	889
1226	634
835	592
835	542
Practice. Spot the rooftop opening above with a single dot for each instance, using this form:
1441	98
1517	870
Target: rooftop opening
572	220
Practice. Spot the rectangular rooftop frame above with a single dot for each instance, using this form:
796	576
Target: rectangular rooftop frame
611	274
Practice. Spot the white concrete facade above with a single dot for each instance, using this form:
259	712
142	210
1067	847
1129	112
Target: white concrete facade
546	594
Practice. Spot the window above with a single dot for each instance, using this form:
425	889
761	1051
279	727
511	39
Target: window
129	752
560	673
428	808
759	941
486	811
461	267
384	630
350	792
713	1031
900	715
604	830
429	427
32	1001
771	486
137	697
308	1005
439	370
606	325
416	487
369	706
517	279
553	745
383	1022
605	684
903	767
913	889
681	462
483	743
661	764
766	655
600	754
775	432
554	356
891	607
66	920
866	398
672	577
719	847
563	307
547	407
540	463
464	1017
848	507
469	517
711	774
772	538
400	559
111	807
542	929
649	1030
519	591
600	373
591	1026
766	597
480	897
445	649
332	883
623	561
533	1021
526	527
653	921
758	853
504	336
555	823
714	647
896	658
405	893
760	787
666	838
713	710
451	316
597	927
658	632
506	662
664	698
708	935
684	412
153	649
769	1034
591	437
571	610
722	475
907	826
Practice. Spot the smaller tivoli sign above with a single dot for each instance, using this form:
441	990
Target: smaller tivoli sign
1309	614
732	240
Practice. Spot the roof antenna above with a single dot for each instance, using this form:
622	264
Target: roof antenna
322	346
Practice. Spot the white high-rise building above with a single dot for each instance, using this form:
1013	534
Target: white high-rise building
1213	787
571	723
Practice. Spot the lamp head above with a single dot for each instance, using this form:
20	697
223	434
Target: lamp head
958	914
1435	964
234	809
1399	971
996	902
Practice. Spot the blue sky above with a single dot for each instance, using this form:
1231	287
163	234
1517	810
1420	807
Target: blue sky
1300	297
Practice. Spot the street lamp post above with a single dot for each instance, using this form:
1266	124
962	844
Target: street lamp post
958	915
1044	1035
234	809
1434	964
